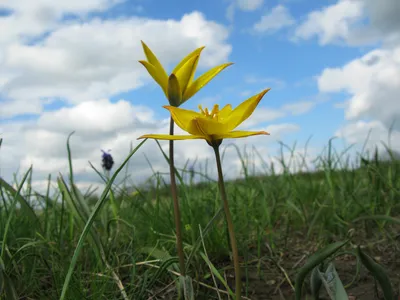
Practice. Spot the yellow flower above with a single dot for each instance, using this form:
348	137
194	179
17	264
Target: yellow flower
179	86
212	126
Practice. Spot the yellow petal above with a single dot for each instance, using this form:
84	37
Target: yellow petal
210	127
183	61
200	82
243	111
225	112
174	91
170	137
157	76
183	118
238	134
184	74
152	59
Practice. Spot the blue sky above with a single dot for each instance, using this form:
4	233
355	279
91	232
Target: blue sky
332	66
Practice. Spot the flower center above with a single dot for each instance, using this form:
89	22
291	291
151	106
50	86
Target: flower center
211	115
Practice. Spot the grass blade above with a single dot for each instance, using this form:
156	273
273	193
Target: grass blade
90	221
333	284
314	260
378	272
10	216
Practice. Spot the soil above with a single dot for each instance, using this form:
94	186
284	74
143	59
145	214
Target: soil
266	278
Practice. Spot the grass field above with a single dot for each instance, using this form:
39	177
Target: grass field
127	249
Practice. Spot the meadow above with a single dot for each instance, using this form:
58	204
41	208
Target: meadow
122	244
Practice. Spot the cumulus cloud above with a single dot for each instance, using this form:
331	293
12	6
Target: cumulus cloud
262	115
80	61
274	83
249	5
373	134
299	108
278	18
354	22
332	22
373	83
32	18
42	142
85	61
243	5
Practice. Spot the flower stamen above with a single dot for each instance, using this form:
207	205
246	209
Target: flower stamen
213	114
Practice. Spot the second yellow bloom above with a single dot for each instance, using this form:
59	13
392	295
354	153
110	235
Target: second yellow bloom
214	125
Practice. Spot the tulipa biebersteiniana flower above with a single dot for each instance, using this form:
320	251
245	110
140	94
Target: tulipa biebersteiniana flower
179	86
213	127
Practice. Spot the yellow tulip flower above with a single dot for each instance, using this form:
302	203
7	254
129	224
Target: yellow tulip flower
179	86
212	126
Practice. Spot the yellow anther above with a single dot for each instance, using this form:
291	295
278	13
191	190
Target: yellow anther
213	114
201	109
215	110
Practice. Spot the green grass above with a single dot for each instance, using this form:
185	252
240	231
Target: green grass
121	245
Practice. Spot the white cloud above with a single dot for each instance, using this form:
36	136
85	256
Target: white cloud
278	18
354	22
372	133
230	12
31	18
275	83
42	142
299	108
84	61
332	22
81	61
249	5
277	130
62	6
97	117
243	5
261	115
373	83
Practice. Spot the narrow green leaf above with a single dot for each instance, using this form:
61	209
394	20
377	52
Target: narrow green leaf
2	269
315	282
90	221
11	214
378	272
216	273
163	268
9	289
379	217
333	284
27	210
187	284
313	261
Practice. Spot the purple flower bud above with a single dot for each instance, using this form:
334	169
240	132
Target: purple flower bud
107	160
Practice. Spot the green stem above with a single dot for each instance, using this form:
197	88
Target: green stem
229	222
174	194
